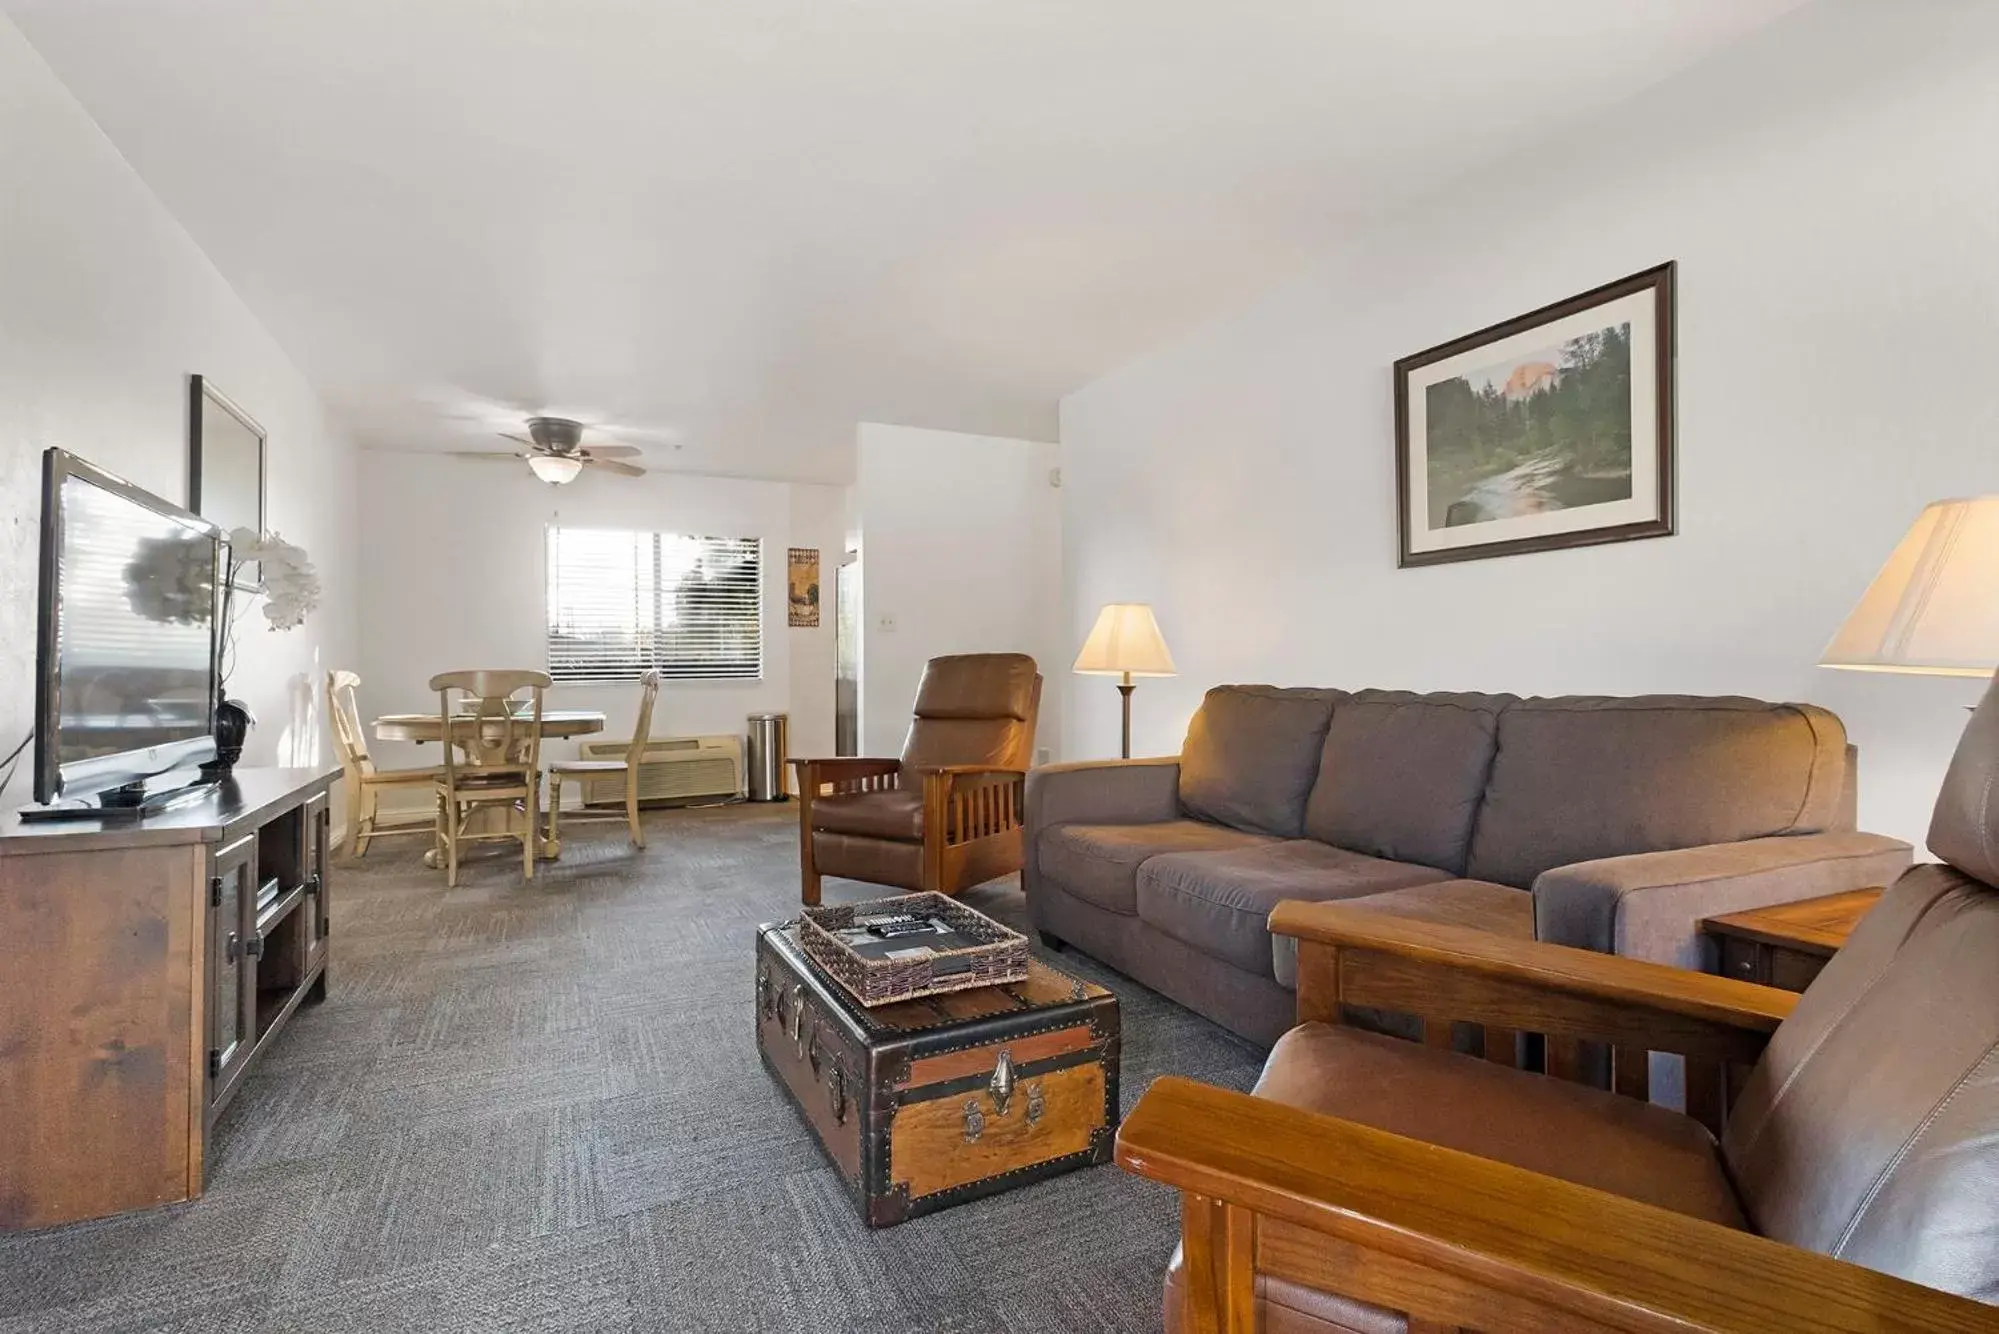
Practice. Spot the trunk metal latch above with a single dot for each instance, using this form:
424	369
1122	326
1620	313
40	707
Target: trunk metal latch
1001	1086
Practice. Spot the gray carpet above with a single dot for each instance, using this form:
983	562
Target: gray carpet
539	1107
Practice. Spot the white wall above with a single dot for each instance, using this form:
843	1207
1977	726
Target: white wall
106	307
453	574
961	551
1828	190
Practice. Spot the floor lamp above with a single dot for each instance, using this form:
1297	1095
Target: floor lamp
1124	643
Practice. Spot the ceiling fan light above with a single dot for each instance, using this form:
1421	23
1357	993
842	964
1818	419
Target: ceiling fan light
554	470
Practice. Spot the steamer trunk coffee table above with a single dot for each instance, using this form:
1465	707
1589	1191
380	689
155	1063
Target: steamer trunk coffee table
927	1103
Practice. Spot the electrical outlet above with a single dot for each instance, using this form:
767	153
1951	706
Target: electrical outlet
886	622
1041	754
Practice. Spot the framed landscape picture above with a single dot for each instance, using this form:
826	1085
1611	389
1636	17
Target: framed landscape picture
1551	430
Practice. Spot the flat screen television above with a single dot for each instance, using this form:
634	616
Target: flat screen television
127	670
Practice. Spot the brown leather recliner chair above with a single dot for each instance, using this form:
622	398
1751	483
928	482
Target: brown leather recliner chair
947	814
1378	1185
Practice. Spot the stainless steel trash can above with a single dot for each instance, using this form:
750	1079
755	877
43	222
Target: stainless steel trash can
769	749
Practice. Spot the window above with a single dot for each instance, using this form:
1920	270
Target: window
620	604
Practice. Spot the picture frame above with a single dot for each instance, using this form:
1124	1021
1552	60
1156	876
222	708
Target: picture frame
226	461
1547	431
802	588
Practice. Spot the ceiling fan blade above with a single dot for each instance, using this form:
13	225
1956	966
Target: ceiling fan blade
517	439
654	435
612	465
612	451
508	454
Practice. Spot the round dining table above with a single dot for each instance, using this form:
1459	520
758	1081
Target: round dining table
561	724
421	728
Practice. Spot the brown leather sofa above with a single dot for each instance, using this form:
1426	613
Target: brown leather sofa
1373	1184
946	814
1628	819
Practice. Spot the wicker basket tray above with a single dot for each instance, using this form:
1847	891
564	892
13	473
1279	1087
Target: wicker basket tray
883	981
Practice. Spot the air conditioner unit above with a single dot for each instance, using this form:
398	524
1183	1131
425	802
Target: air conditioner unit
671	769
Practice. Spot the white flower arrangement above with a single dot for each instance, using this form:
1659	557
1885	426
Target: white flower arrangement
290	585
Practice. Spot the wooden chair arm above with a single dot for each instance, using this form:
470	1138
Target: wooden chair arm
846	766
1459	1240
969	802
1558	971
845	774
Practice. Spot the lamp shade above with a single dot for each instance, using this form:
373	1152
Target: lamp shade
1934	608
1125	640
555	469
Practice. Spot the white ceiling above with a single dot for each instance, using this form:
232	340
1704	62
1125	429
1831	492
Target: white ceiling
743	225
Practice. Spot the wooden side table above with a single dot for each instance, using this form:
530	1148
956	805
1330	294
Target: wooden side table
1786	944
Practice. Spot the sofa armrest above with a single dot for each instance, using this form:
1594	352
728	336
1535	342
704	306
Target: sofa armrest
1650	905
1457	1240
1093	792
1104	792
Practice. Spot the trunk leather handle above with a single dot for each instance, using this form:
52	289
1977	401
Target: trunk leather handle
836	1091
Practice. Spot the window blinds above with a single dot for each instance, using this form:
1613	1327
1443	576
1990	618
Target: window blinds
620	604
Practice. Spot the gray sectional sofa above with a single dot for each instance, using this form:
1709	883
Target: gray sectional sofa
1614	824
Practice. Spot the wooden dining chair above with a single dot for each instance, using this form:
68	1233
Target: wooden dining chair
580	770
491	720
362	780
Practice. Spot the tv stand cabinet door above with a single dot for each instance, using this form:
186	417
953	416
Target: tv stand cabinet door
318	824
232	971
102	1091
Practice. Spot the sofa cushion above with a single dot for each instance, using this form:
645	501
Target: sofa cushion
1220	902
1587	1136
1401	774
1580	778
1500	910
1250	756
1098	863
894	813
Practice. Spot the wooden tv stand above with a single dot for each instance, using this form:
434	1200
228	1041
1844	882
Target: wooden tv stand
145	966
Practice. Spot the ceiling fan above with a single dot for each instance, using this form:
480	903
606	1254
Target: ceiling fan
556	454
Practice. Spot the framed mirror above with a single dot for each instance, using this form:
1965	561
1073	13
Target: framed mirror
225	464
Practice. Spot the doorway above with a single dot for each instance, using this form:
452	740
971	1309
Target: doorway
847	656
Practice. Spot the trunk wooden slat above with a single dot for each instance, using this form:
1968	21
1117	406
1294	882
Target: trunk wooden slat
908	1100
